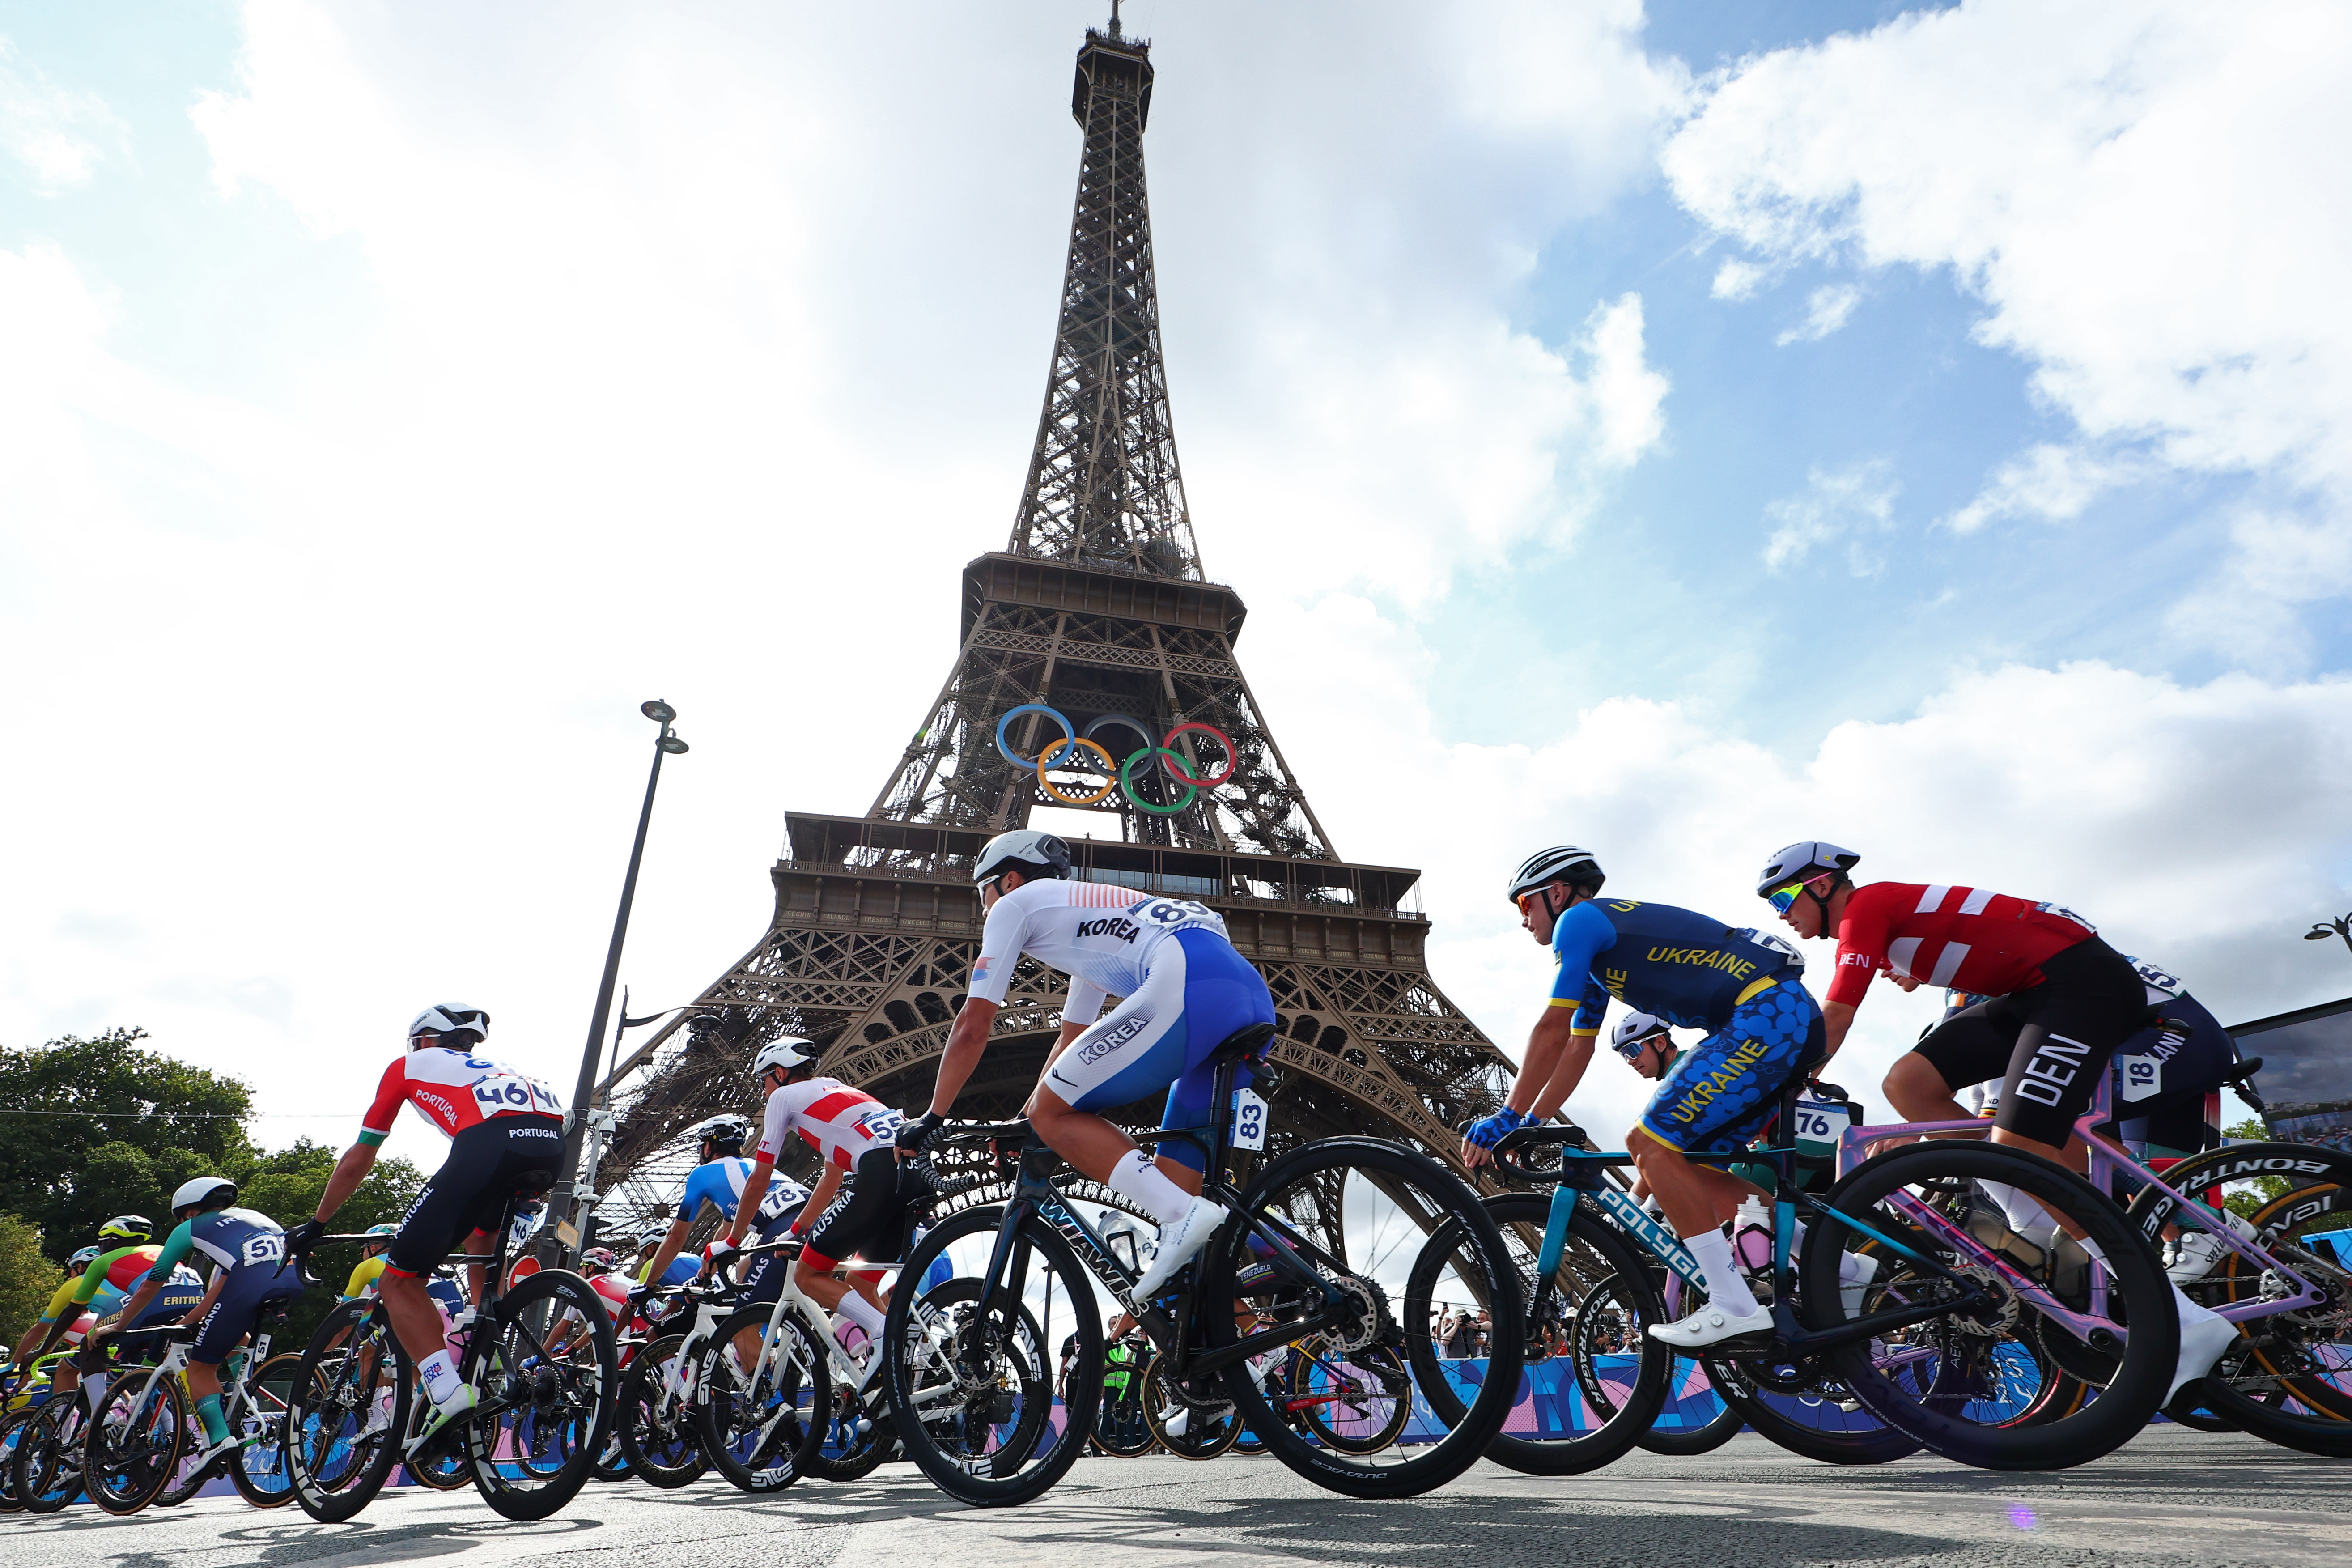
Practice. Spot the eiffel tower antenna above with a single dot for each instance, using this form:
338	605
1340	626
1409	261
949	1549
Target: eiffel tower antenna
1098	608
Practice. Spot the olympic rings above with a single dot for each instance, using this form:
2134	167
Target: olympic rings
1129	766
1061	755
1065	755
1108	766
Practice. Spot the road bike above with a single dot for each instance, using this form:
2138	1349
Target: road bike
656	1420
1327	1239
139	1446
539	1355
1950	1342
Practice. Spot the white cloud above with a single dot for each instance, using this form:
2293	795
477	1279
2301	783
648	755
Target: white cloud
1855	503
1737	279
2130	190
60	135
2279	565
2049	482
1827	309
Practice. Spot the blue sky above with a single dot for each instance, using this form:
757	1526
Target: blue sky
1679	431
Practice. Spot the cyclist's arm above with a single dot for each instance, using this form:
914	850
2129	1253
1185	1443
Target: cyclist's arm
1837	1017
391	1092
363	1277
1558	1054
828	1187
966	1041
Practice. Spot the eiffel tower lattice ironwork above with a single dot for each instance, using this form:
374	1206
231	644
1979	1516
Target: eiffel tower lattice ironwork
1098	607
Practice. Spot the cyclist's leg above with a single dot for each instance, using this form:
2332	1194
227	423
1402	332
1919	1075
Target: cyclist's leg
1224	993
866	1218
2089	1002
1137	1049
1969	1047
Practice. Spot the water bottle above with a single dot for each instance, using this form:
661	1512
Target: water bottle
1751	1232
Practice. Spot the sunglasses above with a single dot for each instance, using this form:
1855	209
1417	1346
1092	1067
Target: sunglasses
1783	898
1527	901
1632	1050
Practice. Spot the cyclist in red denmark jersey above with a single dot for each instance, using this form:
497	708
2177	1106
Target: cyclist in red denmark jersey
500	1124
2059	1003
857	1136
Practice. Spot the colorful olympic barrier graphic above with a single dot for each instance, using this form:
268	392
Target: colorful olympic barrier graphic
1066	753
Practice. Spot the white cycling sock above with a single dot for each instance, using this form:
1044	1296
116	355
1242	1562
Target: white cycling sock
1142	1183
439	1375
862	1312
2026	1217
1711	1250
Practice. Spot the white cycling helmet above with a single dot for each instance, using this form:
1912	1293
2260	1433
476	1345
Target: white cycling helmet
448	1019
1562	863
200	1192
82	1260
722	1131
653	1233
1024	850
1635	1030
1803	861
785	1051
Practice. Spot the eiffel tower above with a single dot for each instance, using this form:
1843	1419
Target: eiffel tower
1098	607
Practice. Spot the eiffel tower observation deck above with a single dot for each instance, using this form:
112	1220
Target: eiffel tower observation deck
1097	608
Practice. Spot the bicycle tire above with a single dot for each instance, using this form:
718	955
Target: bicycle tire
125	1463
338	1456
1596	1252
47	1465
927	1328
259	1471
1208	1432
2143	1371
1689	1442
572	1394
837	1451
658	1431
723	1413
2188	1410
1309	1187
12	1427
1129	1438
1353	1433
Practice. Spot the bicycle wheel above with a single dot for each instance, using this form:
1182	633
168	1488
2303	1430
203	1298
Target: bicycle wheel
260	1470
546	1415
972	1382
1695	1418
752	1417
1210	1427
1391	1233
131	1449
656	1428
851	1440
1948	1381
47	1465
12	1427
1601	1294
1121	1431
350	1407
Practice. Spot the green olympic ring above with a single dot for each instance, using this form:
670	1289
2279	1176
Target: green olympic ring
1065	752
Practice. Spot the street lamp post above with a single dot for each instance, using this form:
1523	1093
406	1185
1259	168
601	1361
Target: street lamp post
2322	930
561	1206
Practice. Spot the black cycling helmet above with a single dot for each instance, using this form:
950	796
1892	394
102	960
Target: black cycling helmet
1024	850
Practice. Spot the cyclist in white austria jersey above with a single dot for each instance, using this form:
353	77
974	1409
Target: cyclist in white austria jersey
1183	991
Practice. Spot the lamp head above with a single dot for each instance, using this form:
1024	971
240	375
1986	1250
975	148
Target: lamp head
2319	933
659	711
673	745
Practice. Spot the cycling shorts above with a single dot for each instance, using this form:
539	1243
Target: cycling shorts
1196	993
1722	1090
2049	1044
869	1219
762	1278
249	1293
486	1163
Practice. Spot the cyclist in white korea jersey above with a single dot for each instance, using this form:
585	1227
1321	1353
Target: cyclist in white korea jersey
1183	991
499	1123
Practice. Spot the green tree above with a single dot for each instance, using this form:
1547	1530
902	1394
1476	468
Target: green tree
287	1185
2246	1199
95	1127
26	1279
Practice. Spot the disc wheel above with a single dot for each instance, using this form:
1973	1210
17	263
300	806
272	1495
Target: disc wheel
751	1418
131	1448
1949	1380
655	1422
351	1405
547	1378
1388	1233
970	1383
260	1470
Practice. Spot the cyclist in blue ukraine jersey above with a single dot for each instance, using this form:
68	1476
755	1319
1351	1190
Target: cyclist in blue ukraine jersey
248	1252
1763	1030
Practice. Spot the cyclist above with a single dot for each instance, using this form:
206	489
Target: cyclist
2059	1001
676	1272
1183	990
1647	1044
860	1205
370	1267
1763	1031
108	1275
716	1186
248	1252
502	1127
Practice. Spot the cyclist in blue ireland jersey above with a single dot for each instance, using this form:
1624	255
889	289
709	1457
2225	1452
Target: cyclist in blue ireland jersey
1763	1030
716	1185
249	1273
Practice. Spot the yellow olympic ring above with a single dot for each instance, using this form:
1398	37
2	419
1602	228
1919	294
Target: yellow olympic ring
1108	766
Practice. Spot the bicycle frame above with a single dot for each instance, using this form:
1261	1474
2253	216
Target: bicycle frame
2106	1163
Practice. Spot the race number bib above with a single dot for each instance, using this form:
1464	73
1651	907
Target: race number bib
510	1094
1818	1124
1174	913
263	1247
2137	1078
1249	1120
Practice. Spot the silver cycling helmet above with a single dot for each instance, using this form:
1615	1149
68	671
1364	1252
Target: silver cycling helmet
1562	863
1635	1030
1024	850
82	1260
1802	862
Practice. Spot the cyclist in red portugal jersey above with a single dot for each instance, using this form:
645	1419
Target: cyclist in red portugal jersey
2059	1003
500	1125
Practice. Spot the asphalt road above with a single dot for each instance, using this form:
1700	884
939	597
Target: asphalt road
2172	1496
